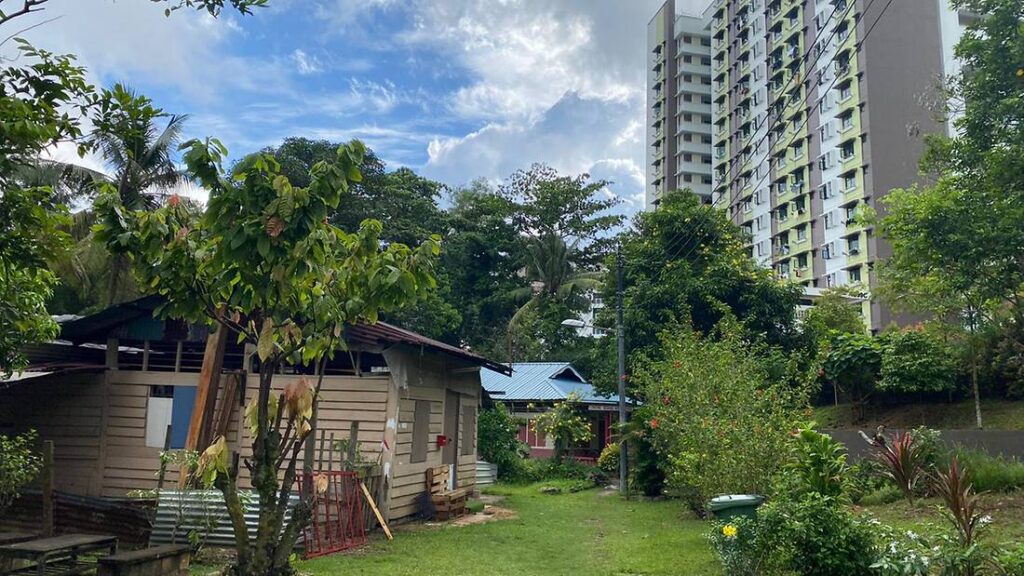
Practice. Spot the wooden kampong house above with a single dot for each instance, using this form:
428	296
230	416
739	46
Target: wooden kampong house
121	384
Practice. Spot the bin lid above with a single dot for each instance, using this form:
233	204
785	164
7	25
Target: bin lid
734	501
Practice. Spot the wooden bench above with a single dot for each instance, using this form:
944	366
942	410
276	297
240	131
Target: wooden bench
167	560
447	503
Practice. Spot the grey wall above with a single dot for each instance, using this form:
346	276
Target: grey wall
1009	443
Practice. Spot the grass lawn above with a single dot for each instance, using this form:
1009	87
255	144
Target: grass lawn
589	533
996	414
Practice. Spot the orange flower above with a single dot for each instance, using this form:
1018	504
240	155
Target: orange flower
654	423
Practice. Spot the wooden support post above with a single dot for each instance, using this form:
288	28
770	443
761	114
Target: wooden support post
163	463
353	443
320	456
145	355
206	390
47	486
330	454
206	393
112	347
179	350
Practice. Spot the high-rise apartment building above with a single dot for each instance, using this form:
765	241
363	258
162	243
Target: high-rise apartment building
818	109
679	105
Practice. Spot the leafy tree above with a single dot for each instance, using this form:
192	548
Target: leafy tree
957	242
914	361
481	260
407	206
685	264
571	208
852	364
558	290
41	102
834	311
566	424
264	262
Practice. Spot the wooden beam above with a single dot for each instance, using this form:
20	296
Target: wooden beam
47	477
376	512
199	426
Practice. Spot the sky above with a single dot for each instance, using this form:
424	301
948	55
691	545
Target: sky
454	89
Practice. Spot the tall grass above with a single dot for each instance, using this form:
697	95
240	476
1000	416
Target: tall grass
991	473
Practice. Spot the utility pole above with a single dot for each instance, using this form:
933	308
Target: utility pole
620	337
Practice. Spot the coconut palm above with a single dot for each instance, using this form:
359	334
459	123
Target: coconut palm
553	276
139	155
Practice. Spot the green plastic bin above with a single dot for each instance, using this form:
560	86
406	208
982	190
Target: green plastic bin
735	505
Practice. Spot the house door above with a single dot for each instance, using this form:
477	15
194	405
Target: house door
450	452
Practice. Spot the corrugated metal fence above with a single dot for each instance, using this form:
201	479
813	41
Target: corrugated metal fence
180	512
486	473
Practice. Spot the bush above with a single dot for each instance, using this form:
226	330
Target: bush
1012	561
742	549
544	469
498	440
608	461
866	477
818	465
885	495
19	465
817	535
720	423
645	466
566	424
991	473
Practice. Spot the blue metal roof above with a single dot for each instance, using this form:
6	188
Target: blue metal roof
542	381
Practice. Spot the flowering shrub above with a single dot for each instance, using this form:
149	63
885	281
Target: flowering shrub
720	422
608	461
740	549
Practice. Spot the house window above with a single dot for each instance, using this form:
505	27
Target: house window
854	274
801	233
169	406
420	431
849	180
468	430
847	150
846	120
853	245
845	91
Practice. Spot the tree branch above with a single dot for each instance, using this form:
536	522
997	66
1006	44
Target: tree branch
27	7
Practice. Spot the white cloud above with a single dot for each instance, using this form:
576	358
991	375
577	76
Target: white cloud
305	63
574	136
132	41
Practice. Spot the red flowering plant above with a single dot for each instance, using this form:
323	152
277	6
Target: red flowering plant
722	422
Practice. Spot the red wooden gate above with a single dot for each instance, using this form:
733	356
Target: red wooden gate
337	522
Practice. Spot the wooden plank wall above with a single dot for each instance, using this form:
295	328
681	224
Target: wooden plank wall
67	410
433	378
343	400
128	464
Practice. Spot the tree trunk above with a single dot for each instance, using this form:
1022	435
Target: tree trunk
269	554
977	393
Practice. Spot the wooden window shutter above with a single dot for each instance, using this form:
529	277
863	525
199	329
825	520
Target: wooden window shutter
468	429
420	431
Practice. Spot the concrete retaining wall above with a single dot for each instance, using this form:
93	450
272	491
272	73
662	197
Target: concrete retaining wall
1009	443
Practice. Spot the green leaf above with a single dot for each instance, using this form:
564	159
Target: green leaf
265	344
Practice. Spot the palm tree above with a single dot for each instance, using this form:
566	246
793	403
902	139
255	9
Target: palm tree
139	154
553	277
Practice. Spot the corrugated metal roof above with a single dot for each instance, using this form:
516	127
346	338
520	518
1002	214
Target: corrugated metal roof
542	381
380	334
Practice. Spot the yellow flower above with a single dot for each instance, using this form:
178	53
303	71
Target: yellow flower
729	531
1020	73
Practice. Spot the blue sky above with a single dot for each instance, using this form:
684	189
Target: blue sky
455	89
